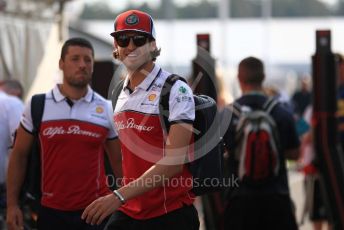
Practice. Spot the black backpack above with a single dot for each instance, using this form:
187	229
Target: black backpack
31	189
207	168
257	144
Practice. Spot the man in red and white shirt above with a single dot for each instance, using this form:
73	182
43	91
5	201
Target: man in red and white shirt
156	182
76	128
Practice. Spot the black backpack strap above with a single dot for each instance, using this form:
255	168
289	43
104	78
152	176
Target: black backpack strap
164	110
115	93
31	189
37	108
235	107
270	104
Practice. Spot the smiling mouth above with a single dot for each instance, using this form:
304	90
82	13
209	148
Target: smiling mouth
131	59
132	55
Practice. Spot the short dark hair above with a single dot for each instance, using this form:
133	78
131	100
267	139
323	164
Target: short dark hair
155	53
75	42
253	71
13	87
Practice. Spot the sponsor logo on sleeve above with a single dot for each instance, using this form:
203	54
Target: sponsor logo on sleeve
182	90
183	98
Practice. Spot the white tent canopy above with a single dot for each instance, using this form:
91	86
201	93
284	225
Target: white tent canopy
24	42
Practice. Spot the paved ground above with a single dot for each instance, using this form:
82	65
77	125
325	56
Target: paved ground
297	193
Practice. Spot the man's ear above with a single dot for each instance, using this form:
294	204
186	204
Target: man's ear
115	54
61	64
152	46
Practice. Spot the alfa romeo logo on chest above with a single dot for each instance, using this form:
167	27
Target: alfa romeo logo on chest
132	19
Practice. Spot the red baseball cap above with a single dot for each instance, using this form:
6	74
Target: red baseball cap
134	20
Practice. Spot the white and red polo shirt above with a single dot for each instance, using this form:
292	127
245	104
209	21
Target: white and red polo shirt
142	142
72	135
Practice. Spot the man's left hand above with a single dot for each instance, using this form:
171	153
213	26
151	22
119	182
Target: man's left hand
99	209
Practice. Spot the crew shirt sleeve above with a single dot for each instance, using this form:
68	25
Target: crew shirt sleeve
181	104
15	113
26	119
112	130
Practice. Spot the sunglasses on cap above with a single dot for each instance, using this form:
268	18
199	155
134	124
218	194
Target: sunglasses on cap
123	40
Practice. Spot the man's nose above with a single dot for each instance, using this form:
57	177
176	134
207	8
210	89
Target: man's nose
82	63
131	44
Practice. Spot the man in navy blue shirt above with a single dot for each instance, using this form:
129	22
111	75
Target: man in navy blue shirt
302	98
268	206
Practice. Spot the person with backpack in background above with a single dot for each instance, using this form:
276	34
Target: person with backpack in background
76	127
156	191
260	137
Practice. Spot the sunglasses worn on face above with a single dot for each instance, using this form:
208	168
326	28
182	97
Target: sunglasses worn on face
123	40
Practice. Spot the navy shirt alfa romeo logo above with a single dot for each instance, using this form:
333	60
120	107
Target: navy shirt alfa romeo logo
132	19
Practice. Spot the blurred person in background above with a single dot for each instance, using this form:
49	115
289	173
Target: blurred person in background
302	97
267	205
281	96
314	205
11	109
12	87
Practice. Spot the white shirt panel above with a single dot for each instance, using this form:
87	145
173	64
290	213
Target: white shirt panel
92	108
146	96
26	119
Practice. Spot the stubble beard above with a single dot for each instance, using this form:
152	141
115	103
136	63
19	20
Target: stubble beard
79	83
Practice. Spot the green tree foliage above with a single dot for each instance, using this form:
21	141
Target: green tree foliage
299	8
203	9
99	10
340	8
245	8
208	9
146	8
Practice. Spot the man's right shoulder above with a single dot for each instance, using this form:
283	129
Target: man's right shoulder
15	100
99	97
283	112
